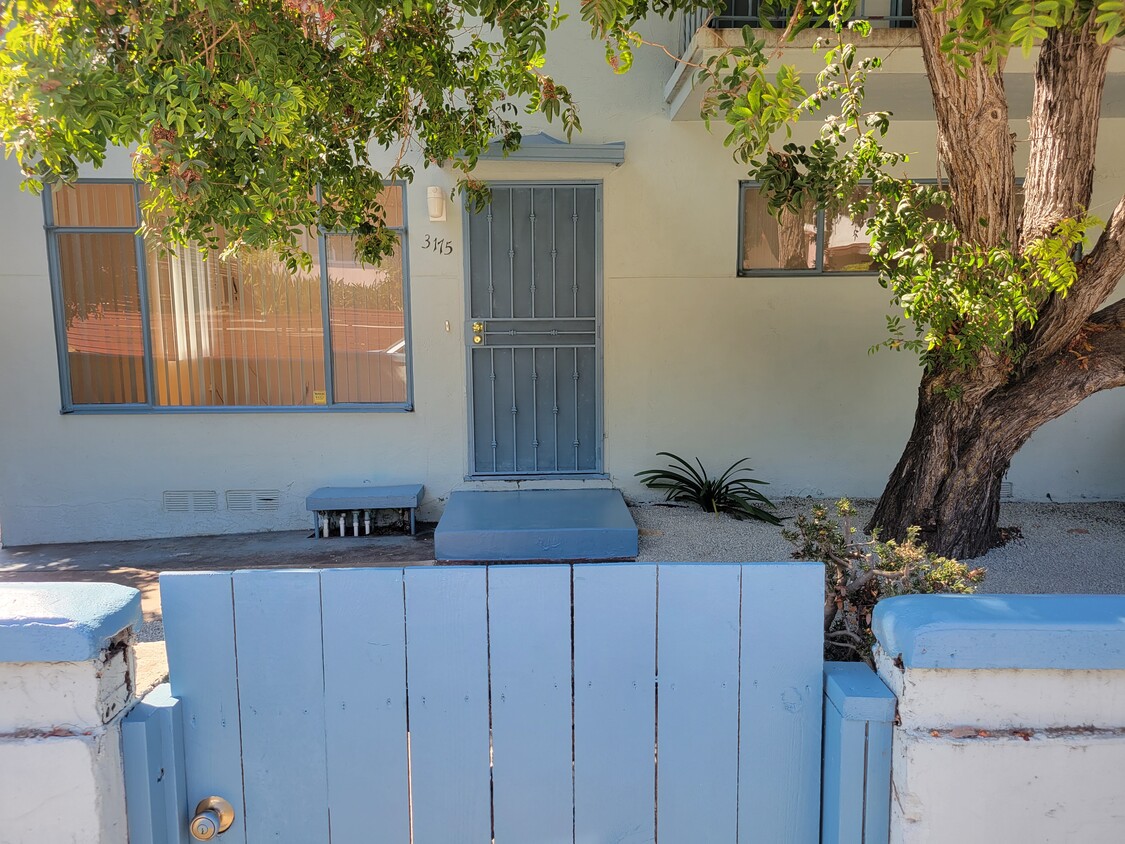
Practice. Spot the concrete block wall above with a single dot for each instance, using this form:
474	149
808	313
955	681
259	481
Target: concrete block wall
67	677
1011	717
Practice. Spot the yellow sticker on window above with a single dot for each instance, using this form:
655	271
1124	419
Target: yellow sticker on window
320	397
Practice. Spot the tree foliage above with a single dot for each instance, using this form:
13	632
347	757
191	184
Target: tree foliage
260	116
964	298
250	112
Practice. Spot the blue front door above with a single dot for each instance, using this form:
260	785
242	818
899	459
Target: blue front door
534	331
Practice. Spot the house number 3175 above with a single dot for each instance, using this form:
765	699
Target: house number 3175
438	245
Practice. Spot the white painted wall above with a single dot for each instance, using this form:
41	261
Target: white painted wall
1007	755
49	696
61	775
697	360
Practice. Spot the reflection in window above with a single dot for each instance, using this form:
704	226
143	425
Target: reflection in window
240	332
807	241
368	331
816	242
847	246
99	293
243	331
784	242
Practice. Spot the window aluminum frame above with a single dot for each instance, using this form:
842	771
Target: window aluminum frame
818	271
149	406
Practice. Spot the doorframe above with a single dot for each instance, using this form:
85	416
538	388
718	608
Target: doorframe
599	351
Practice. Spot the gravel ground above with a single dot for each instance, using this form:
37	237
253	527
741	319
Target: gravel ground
1062	547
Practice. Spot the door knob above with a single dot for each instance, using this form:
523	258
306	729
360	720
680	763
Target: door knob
213	816
478	327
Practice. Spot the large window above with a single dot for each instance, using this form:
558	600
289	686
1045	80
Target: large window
144	329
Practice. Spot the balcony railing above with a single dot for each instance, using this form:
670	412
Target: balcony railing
886	14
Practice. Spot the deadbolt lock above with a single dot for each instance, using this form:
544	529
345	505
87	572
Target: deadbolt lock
477	339
213	816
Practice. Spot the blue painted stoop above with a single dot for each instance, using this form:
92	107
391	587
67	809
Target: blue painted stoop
537	524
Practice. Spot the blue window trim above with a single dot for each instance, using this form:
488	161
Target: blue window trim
148	406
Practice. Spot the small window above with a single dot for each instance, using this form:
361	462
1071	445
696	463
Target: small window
799	242
813	242
185	329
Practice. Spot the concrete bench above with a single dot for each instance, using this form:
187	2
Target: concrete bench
355	498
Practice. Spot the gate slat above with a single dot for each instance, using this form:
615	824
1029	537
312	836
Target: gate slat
697	737
529	642
447	682
365	704
198	614
281	693
782	688
614	703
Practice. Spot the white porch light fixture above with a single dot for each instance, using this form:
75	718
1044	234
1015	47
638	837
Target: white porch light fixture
435	201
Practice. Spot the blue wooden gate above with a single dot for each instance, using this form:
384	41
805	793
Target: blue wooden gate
520	704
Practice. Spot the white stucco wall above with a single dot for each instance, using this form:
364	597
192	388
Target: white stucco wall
63	790
61	774
1011	755
697	360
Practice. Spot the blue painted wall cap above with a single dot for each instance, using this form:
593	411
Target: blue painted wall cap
63	622
1003	631
857	692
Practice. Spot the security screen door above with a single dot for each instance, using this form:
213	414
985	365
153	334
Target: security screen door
534	331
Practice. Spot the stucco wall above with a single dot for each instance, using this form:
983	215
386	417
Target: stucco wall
67	673
1010	717
697	361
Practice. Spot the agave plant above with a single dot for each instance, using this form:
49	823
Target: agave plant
727	493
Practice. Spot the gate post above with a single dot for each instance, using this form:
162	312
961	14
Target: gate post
856	785
66	679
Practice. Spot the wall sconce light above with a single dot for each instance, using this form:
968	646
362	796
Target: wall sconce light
435	200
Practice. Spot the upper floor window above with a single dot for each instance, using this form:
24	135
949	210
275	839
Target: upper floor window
143	328
893	14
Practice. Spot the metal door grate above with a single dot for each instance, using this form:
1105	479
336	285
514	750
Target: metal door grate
534	331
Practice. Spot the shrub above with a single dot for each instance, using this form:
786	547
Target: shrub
727	493
861	572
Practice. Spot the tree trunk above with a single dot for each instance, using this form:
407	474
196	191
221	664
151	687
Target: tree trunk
972	129
947	481
970	424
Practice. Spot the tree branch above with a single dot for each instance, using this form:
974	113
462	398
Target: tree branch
1093	360
1065	115
974	138
1110	317
1098	274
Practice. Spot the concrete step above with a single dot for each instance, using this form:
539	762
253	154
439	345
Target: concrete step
535	525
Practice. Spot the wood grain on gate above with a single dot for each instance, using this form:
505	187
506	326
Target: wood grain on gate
585	703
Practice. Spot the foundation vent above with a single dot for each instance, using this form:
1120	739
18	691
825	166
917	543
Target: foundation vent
250	500
1006	493
190	500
